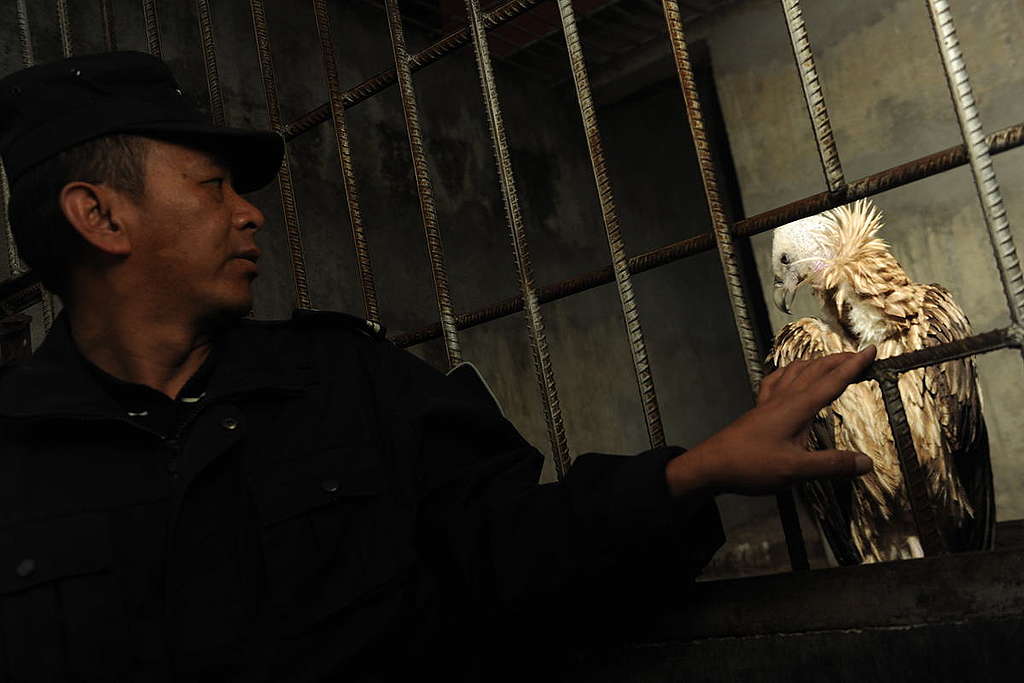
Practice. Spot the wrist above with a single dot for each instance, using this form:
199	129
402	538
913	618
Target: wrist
687	474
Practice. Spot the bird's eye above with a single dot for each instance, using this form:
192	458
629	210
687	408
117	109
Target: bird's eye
785	259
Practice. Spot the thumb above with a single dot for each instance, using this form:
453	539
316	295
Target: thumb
833	463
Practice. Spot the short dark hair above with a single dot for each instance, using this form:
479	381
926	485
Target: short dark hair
45	239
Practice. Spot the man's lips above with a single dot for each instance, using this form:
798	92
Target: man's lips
249	255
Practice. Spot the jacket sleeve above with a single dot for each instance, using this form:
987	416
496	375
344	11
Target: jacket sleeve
507	544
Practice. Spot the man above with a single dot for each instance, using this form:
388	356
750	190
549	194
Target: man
189	495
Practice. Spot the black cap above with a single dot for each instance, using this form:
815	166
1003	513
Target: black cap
47	109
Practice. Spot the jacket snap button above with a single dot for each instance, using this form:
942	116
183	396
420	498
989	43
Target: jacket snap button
26	567
229	423
329	485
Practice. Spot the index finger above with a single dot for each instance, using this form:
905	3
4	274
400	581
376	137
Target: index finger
829	387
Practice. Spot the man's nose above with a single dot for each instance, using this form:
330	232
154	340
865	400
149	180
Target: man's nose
247	215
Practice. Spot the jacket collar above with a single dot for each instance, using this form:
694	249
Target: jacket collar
57	382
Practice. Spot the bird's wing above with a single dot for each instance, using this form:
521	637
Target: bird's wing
829	501
962	468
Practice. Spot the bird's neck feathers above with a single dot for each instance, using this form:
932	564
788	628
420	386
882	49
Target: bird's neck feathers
867	290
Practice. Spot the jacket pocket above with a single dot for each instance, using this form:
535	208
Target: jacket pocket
333	532
56	605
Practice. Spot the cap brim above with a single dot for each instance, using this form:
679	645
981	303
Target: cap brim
254	155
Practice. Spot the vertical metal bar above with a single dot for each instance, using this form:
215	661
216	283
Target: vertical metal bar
109	38
204	16
25	35
514	220
13	260
284	177
978	155
813	96
638	347
64	27
152	27
752	355
914	476
423	185
348	174
27	59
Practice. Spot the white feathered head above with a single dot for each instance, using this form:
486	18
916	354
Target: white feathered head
817	248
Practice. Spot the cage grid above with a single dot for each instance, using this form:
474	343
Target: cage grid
23	290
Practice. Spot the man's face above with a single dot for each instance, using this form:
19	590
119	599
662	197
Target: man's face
193	237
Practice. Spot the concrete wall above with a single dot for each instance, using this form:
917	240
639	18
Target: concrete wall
693	349
883	82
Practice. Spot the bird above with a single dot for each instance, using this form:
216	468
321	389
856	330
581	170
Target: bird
867	299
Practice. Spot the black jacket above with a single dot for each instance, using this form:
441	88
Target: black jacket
331	509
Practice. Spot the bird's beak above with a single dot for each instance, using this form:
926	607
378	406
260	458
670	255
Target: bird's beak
784	291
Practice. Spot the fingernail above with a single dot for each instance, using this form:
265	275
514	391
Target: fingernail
867	349
862	464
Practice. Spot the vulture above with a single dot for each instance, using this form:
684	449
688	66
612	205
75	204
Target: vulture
867	298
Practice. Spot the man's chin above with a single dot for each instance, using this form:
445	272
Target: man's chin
228	312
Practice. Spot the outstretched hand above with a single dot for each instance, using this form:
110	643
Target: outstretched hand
765	450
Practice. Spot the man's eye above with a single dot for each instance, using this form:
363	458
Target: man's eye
785	259
214	181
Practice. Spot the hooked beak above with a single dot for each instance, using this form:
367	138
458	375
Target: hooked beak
785	291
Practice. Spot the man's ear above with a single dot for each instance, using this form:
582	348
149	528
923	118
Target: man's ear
90	209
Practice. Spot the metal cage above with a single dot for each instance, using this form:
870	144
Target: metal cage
23	291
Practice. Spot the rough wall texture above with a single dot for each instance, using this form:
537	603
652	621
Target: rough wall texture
882	80
886	92
693	350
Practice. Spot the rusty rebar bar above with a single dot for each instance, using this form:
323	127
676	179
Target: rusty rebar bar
385	79
25	35
204	16
520	246
984	342
64	28
915	478
731	266
424	188
284	176
613	232
152	21
109	36
932	164
1012	137
348	174
980	159
813	96
28	59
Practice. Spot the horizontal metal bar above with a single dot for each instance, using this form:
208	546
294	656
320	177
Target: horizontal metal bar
933	164
560	290
383	80
887	369
15	295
